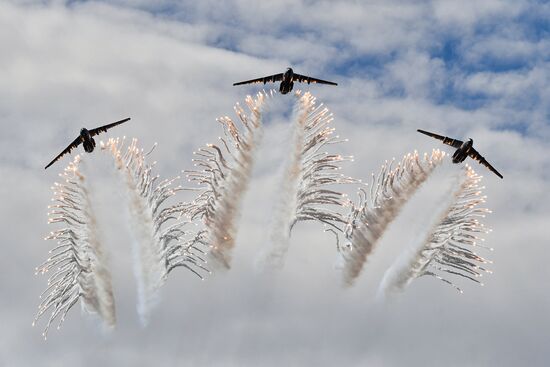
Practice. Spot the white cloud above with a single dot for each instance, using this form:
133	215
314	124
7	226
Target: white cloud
64	66
470	13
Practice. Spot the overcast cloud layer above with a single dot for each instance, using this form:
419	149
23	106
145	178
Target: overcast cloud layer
465	69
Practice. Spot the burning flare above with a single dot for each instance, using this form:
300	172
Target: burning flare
390	190
77	263
163	242
223	174
307	191
449	247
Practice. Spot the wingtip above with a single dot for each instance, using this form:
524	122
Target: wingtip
424	132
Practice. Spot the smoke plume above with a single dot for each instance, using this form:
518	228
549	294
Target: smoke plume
449	246
77	263
307	186
223	174
162	240
368	220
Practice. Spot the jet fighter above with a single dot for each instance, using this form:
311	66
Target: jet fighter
463	150
287	80
86	139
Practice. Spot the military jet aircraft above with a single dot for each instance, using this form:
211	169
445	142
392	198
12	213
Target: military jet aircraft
463	150
86	138
287	80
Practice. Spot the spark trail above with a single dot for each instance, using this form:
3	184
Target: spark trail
390	190
223	174
77	263
162	241
306	192
449	247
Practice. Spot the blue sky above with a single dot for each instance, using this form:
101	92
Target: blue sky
465	45
463	69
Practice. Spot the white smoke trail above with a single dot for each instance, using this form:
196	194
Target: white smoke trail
389	191
78	262
163	243
449	246
305	193
224	176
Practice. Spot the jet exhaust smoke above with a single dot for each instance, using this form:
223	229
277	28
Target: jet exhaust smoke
162	240
306	192
223	173
449	247
77	263
368	220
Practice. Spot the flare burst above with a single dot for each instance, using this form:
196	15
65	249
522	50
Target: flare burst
318	169
77	262
163	240
307	187
223	173
368	220
450	246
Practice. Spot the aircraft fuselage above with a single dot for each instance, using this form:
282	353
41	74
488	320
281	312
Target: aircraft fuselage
287	83
462	153
87	141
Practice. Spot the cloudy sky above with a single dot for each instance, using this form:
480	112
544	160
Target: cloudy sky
465	69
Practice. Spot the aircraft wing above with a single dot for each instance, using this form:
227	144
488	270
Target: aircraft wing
265	79
309	80
67	150
446	140
474	154
104	128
